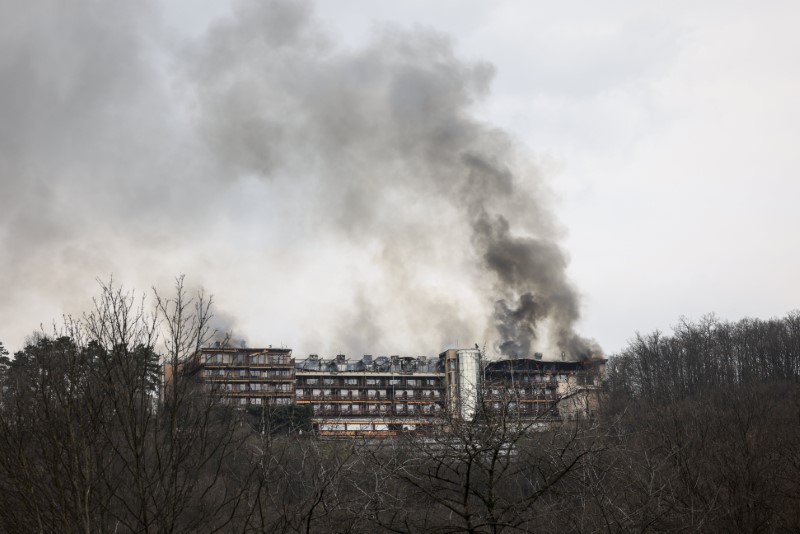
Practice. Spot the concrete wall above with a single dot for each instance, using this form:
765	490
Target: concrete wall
469	381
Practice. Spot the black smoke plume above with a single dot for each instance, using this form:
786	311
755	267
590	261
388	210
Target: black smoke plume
335	198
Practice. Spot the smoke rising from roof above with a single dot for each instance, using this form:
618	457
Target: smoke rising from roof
337	198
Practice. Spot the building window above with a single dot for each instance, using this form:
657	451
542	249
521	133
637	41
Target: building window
217	358
351	381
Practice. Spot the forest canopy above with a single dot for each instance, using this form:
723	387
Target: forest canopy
698	430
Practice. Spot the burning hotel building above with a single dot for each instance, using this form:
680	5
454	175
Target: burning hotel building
387	395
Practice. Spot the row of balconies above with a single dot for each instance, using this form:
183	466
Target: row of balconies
246	365
260	393
371	393
532	397
305	399
361	384
382	410
511	392
240	379
225	386
504	381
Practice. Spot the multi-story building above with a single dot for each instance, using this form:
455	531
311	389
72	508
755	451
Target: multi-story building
381	396
249	376
543	390
391	394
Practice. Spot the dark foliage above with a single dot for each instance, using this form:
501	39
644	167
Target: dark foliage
698	432
280	419
707	430
705	356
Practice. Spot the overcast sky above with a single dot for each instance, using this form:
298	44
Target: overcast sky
663	141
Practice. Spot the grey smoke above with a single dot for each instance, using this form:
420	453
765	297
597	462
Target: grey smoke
262	147
531	274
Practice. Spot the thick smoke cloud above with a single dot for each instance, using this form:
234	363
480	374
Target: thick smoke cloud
346	198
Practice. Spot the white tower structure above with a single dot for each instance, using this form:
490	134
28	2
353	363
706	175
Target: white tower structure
469	375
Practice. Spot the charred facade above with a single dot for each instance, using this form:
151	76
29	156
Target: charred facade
543	390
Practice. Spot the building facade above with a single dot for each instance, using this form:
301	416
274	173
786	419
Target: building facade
544	390
248	376
387	395
380	396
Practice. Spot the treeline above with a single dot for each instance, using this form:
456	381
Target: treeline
704	356
694	435
708	426
90	442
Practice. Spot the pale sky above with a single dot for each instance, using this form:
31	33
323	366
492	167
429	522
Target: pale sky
673	135
666	137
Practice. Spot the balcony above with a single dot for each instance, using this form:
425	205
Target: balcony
237	377
253	393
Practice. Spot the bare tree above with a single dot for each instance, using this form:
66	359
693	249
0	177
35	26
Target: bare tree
495	473
91	442
304	484
707	425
